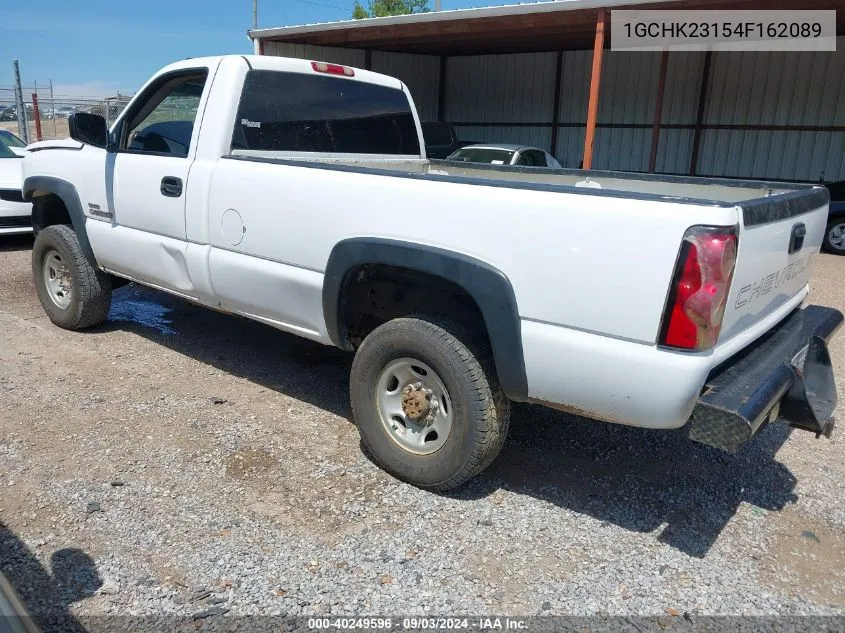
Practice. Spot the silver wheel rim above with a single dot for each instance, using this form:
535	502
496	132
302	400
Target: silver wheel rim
836	236
57	279
426	432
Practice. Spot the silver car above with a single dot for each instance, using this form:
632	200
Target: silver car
505	154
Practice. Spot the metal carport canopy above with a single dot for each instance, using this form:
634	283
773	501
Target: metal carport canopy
524	28
521	28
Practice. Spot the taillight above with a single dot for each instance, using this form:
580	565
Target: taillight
333	69
700	287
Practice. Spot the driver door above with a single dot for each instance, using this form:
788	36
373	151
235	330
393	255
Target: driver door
150	176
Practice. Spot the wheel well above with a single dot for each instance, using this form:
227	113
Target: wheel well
372	294
47	210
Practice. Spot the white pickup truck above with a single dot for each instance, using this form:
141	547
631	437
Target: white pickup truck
298	194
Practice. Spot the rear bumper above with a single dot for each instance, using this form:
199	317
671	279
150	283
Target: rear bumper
785	375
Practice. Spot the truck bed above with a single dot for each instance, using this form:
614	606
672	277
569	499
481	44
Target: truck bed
769	273
638	185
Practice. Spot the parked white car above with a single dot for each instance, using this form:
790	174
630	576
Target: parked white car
12	142
505	154
298	194
15	213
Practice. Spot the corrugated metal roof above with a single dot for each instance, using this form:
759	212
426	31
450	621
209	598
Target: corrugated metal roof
776	88
683	82
421	73
512	96
501	88
628	87
446	16
332	54
521	28
574	86
780	90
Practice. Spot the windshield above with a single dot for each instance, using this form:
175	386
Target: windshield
10	140
483	155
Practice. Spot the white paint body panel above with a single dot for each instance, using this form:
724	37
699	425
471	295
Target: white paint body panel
590	272
10	178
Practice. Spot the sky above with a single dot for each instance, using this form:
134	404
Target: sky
101	47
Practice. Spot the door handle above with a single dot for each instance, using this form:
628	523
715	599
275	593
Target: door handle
171	186
796	238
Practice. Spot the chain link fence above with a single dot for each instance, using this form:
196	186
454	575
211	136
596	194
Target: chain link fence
53	111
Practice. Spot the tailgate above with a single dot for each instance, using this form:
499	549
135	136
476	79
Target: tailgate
779	239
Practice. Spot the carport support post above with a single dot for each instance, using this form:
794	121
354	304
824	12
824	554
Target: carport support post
658	111
556	105
699	119
441	91
595	81
37	113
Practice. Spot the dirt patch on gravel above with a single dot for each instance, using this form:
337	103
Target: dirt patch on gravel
250	463
807	558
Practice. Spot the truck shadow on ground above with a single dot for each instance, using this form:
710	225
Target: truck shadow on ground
643	481
46	595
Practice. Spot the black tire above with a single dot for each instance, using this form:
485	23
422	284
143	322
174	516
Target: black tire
90	292
827	244
480	410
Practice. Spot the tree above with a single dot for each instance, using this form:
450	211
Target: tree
381	8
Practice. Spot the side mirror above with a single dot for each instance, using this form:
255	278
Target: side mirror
88	128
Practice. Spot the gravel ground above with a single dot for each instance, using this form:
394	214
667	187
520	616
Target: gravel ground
177	460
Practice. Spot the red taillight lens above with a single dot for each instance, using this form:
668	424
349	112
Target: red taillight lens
333	69
700	288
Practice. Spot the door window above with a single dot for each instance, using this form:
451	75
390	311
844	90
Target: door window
526	158
163	123
532	158
539	158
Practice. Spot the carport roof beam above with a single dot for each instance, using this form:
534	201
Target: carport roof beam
521	28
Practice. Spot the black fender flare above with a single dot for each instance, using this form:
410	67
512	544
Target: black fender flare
68	194
488	286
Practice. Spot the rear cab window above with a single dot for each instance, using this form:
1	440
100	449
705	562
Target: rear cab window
292	112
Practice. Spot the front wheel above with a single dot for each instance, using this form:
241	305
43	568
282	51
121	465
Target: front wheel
427	402
73	293
834	237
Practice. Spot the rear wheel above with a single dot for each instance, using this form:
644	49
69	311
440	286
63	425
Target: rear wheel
427	402
834	237
73	293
